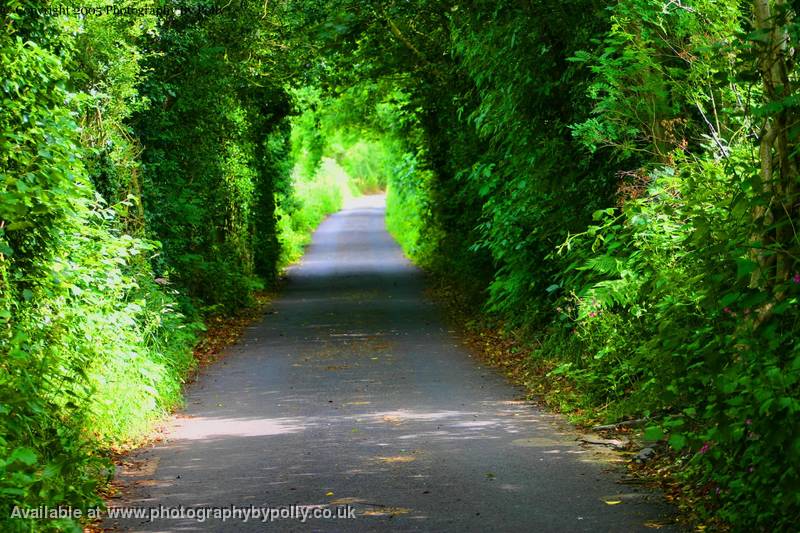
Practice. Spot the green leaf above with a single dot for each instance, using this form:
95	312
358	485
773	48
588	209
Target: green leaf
744	267
729	298
677	441
653	433
25	456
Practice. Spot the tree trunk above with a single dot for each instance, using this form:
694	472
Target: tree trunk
777	184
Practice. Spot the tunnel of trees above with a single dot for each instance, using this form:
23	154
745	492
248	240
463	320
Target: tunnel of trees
613	184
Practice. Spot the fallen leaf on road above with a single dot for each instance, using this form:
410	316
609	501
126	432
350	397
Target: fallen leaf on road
386	511
397	459
346	501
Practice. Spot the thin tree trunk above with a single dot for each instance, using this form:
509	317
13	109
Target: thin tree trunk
777	184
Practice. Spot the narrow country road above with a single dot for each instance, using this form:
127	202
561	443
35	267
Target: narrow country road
352	391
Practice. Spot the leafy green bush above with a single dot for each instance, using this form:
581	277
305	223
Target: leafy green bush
92	347
209	163
406	208
94	343
702	366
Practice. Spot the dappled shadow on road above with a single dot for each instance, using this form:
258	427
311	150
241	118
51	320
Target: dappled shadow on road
392	425
353	391
341	458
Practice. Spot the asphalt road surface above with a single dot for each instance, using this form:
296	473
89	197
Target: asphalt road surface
352	391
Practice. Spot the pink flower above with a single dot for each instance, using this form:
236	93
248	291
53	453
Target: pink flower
748	422
704	449
796	278
727	310
592	314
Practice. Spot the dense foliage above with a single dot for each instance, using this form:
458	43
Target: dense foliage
146	157
216	139
616	183
619	183
84	324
